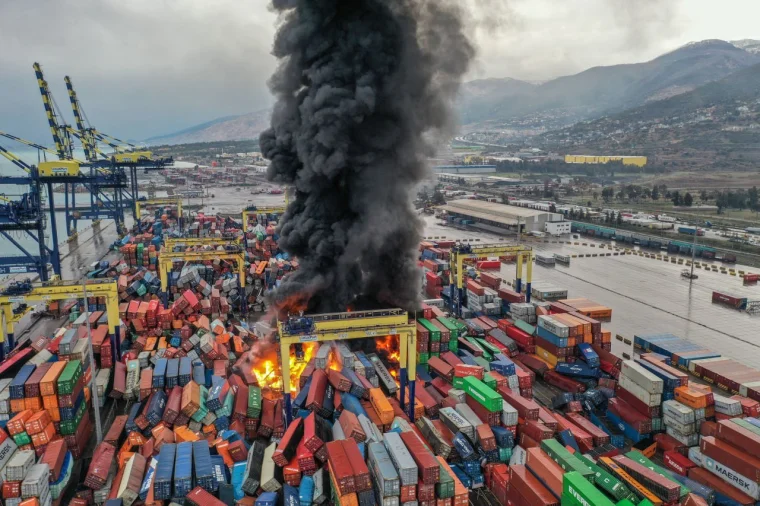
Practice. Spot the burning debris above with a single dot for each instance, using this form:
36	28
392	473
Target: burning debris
364	89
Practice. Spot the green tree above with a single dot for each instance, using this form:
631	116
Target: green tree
655	193
607	193
688	199
595	195
438	198
752	196
619	219
676	198
703	195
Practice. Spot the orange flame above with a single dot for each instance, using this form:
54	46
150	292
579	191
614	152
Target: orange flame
392	356
269	374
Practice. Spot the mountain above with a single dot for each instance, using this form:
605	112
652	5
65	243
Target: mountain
749	45
715	126
228	128
600	90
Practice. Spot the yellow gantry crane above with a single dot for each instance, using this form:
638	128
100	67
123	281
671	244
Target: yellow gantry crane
28	293
172	242
462	251
354	325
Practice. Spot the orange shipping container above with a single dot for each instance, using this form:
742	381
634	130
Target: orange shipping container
49	381
381	405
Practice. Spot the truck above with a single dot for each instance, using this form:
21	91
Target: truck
691	231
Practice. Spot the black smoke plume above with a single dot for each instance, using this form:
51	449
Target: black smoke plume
364	90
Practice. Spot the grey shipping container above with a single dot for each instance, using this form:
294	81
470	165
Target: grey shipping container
401	458
383	472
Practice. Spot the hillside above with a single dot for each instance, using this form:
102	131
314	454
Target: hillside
600	90
230	128
714	126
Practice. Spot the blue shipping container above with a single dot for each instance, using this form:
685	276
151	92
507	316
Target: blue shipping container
183	469
162	484
204	473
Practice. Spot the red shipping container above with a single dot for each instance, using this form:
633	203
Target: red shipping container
530	488
526	408
548	471
464	370
677	463
738	460
708	479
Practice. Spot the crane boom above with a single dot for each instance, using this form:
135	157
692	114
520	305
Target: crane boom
60	135
15	160
88	142
28	143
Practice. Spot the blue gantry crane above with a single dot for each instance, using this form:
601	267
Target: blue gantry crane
26	215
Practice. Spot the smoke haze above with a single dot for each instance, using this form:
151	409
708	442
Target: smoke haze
364	89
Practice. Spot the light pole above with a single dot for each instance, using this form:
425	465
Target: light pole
93	385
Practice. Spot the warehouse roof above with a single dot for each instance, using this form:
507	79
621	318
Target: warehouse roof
491	211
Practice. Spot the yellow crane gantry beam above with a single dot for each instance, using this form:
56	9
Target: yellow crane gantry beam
356	325
461	252
171	242
64	291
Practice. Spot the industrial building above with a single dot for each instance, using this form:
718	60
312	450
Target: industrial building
639	161
464	169
500	218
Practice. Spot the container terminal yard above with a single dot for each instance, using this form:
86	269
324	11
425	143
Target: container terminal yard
174	356
504	420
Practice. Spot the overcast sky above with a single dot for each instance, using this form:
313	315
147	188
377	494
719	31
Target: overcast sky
150	67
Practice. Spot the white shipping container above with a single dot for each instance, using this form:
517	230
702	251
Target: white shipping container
36	483
746	485
19	465
742	389
677	411
727	406
469	415
5	395
7	449
695	455
508	415
519	456
685	429
642	377
557	328
690	440
458	395
647	398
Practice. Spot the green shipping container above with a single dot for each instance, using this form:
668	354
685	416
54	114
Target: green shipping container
625	502
423	357
485	364
577	491
458	383
639	457
453	329
489	380
474	342
203	410
444	489
493	350
567	461
435	353
505	454
69	377
22	438
454	346
525	327
746	425
483	395
607	482
254	402
435	334
69	427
